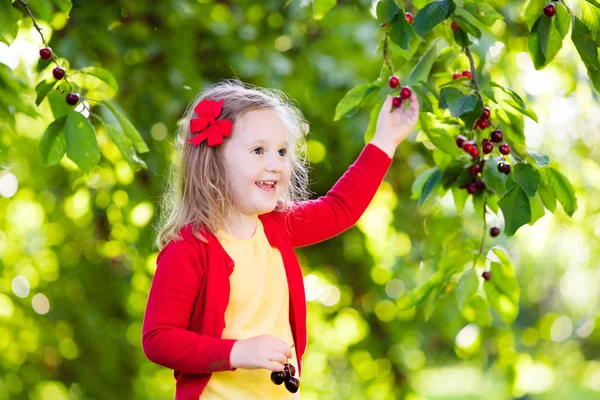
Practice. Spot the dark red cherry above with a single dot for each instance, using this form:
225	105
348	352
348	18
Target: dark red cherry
292	384
278	377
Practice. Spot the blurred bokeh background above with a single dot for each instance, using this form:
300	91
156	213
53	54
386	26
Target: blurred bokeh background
77	254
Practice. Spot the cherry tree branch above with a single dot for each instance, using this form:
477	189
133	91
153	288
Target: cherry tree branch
484	234
386	58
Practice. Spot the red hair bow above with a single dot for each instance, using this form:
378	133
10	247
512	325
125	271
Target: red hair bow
208	111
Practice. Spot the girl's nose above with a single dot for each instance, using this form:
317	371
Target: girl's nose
274	164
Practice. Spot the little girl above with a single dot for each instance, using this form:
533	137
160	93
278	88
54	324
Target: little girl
227	304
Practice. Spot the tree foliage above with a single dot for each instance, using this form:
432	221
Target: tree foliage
397	302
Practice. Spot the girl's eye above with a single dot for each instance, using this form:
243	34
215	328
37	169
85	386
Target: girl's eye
258	150
282	152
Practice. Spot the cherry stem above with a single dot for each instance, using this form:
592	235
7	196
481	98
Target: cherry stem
385	53
484	232
24	4
96	116
473	74
37	27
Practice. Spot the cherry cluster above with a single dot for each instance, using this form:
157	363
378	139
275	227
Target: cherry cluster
286	376
59	73
487	146
405	92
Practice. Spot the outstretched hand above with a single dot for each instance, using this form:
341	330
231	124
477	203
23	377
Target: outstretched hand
395	124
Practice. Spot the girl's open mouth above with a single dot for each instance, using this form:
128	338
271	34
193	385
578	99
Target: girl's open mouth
267	186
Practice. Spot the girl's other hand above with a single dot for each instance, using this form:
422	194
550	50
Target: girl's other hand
265	351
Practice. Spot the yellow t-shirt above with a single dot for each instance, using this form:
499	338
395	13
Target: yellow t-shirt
258	305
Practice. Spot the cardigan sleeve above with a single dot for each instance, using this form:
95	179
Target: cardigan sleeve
313	221
165	339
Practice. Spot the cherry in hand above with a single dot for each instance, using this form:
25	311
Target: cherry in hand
287	377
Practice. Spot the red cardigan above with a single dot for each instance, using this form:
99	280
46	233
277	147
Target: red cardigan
185	313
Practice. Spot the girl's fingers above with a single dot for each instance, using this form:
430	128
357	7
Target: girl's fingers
279	357
274	366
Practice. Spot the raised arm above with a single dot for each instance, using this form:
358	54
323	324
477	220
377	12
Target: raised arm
165	339
317	220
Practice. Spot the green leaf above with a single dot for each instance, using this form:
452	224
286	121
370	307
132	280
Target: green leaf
471	117
432	301
52	145
125	146
441	135
503	291
590	16
514	131
540	159
451	173
353	100
467	26
448	95
82	146
58	104
588	51
533	11
422	93
492	203
42	9
525	111
64	5
483	12
563	189
527	177
422	69
451	8
562	20
418	295
477	310
103	75
547	196
321	7
494	179
386	11
516	209
461	105
42	89
372	127
460	197
419	182
461	38
585	44
539	60
472	20
511	93
467	286
537	208
550	34
128	128
9	19
430	15
401	32
430	184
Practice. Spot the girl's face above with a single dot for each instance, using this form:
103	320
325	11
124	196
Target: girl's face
256	161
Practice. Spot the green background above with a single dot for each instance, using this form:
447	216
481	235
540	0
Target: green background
84	243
